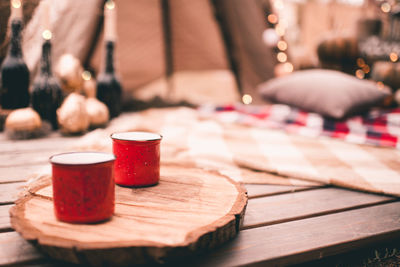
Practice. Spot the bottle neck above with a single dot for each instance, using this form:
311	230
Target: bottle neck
45	63
15	44
109	57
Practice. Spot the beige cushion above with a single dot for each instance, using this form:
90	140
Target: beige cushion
330	93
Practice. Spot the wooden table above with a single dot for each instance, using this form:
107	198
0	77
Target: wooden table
283	225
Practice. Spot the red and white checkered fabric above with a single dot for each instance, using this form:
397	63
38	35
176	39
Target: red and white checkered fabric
378	127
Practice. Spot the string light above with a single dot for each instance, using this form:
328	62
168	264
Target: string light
386	7
360	62
16	3
360	74
366	69
247	99
47	35
288	67
282	45
280	27
380	85
393	57
272	18
86	75
282	57
110	4
270	37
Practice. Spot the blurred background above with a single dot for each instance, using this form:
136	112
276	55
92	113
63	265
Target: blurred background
217	51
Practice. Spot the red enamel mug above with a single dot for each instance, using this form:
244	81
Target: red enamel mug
137	158
83	186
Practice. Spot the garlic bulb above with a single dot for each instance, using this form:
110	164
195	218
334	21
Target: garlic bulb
24	119
97	111
72	116
23	123
69	71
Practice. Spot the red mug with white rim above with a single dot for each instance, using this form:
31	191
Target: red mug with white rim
137	158
83	186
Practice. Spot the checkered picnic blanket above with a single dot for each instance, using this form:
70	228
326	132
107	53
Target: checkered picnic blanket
379	127
228	140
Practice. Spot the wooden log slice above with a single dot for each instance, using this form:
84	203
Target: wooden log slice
189	211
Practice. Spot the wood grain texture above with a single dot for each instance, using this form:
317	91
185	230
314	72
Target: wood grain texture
5	225
21	173
9	192
275	245
190	210
309	239
289	207
22	159
263	190
52	142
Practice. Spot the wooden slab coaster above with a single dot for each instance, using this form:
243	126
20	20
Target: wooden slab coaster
189	211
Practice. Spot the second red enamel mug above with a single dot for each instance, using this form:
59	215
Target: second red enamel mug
137	158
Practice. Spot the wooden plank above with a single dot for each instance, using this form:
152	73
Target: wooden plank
15	250
276	245
263	190
20	173
287	207
5	225
309	239
22	159
44	144
9	192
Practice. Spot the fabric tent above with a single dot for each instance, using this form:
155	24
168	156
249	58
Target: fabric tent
195	51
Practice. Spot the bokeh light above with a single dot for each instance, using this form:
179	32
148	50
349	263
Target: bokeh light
247	99
272	18
282	57
366	68
110	4
86	75
282	45
360	74
47	34
288	67
16	3
380	85
386	7
393	57
270	37
360	62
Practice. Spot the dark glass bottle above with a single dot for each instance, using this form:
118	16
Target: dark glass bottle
47	93
14	73
108	86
